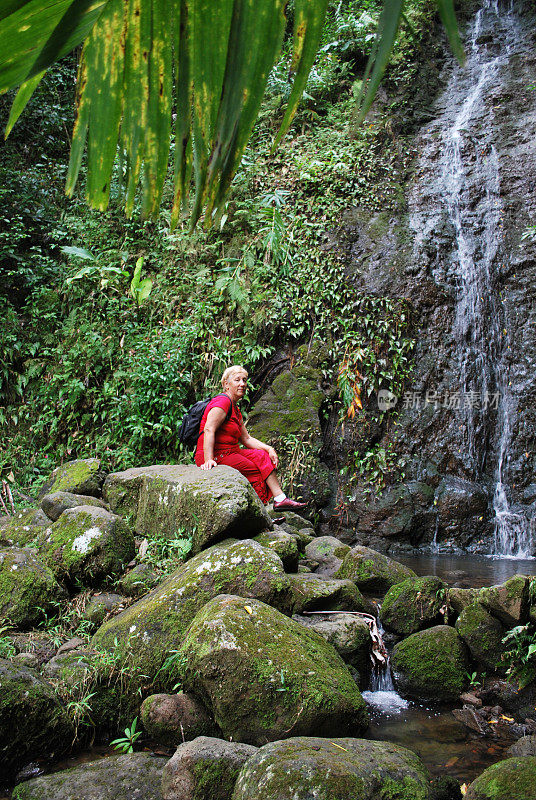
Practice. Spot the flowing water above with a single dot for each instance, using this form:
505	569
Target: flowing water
467	187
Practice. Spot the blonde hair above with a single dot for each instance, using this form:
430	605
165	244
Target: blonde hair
230	371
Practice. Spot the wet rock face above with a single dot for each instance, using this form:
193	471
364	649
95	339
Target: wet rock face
513	777
453	440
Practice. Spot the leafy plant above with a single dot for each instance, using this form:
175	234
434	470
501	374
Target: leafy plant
376	466
7	649
125	744
520	653
140	289
173	668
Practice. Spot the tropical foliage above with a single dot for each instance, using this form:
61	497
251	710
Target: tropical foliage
204	63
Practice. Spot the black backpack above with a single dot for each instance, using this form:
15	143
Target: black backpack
191	422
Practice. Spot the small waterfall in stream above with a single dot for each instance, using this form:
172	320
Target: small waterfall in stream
382	694
469	190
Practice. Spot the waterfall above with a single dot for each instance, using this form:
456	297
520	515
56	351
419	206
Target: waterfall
468	189
382	694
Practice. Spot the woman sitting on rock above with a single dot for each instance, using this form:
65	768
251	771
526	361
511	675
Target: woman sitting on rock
221	436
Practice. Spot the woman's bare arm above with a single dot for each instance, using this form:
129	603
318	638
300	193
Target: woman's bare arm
215	418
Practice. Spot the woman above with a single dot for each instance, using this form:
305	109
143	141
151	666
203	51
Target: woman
221	435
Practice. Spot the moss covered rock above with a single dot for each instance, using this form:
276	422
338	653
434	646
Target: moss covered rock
414	604
511	779
263	676
56	503
461	598
138	581
83	476
156	624
336	769
431	664
282	543
88	544
326	554
509	602
25	526
350	636
33	722
204	506
372	571
102	605
170	719
483	635
312	592
28	589
126	777
204	768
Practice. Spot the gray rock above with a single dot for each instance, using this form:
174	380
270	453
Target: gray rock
262	676
282	543
138	581
153	626
348	633
83	476
483	635
204	768
33	721
526	746
28	587
202	506
327	552
171	719
318	593
334	769
56	503
88	544
135	776
102	605
509	602
372	571
414	604
25	527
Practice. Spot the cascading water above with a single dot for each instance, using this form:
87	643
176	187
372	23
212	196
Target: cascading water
382	694
469	188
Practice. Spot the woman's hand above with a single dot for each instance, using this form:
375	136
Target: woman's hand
273	457
209	463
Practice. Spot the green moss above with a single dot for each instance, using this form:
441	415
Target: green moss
28	589
80	477
413	605
372	571
431	664
509	779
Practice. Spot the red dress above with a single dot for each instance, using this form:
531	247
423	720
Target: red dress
255	465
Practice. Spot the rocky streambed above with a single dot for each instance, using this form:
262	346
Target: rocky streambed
239	688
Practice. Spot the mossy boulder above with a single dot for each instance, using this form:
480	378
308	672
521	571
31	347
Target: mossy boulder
102	605
33	722
83	476
28	589
431	664
326	553
335	769
88	544
312	592
373	572
483	635
170	719
414	604
509	602
26	526
461	598
263	676
282	543
138	581
56	503
203	506
204	769
350	636
511	779
156	624
126	777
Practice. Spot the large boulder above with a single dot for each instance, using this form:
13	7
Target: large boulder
83	476
317	593
33	722
372	571
156	624
461	598
170	719
511	779
284	544
431	664
337	769
350	636
325	553
264	676
135	776
204	768
56	503
88	544
25	527
414	604
171	501
483	635
28	588
509	602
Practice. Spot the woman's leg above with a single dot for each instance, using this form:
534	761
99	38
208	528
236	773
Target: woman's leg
249	470
272	481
